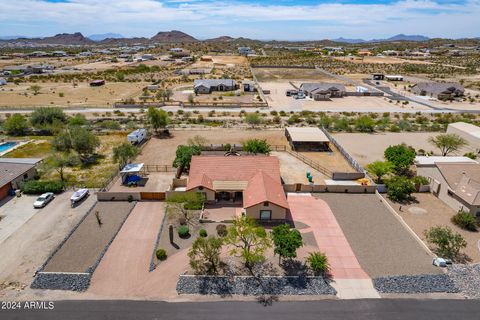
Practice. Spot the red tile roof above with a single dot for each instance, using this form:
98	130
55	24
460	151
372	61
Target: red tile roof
261	172
263	188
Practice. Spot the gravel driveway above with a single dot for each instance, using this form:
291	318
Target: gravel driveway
381	244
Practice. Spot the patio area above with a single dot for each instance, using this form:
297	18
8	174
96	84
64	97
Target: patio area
222	211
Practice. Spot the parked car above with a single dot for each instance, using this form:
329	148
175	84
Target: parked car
43	200
78	196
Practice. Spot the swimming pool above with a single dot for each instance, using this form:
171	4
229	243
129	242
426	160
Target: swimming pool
6	146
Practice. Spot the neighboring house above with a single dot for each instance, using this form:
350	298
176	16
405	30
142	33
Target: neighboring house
307	139
454	180
253	180
3	82
442	91
210	85
468	131
245	51
14	171
323	91
248	86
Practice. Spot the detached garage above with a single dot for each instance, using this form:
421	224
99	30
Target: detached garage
468	131
307	139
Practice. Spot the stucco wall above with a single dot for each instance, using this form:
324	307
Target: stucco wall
278	213
18	181
210	195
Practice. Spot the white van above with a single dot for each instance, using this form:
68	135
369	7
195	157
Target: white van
137	136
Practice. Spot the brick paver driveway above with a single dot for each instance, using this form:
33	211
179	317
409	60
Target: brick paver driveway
124	270
329	236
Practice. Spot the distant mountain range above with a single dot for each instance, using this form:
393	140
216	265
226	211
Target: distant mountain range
398	37
103	36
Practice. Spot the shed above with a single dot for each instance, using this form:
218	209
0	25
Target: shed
131	173
307	139
468	131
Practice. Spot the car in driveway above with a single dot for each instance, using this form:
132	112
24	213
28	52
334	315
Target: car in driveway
43	200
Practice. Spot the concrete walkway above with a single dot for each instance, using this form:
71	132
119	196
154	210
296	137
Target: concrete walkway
350	280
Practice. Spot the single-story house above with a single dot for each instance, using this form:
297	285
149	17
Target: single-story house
437	90
323	91
307	139
14	171
253	180
454	180
210	85
468	131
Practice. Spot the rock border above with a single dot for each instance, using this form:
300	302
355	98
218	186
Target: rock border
154	265
423	283
253	286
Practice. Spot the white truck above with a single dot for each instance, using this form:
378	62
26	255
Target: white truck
137	136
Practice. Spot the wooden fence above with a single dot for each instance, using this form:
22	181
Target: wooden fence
315	165
158	168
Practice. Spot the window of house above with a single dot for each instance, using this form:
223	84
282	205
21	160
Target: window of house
200	188
265	204
265	214
25	176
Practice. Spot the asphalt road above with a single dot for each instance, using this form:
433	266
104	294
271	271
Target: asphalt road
390	309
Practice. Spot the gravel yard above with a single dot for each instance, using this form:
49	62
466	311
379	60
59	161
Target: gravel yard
381	244
466	278
367	148
162	151
429	211
85	245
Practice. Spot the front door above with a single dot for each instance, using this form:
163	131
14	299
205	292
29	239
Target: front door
265	214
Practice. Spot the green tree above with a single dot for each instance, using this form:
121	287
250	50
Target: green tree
157	118
253	119
78	139
401	156
256	146
35	89
447	243
58	161
123	153
379	169
318	262
47	116
400	188
365	124
448	143
205	254
77	120
286	241
183	156
16	125
248	241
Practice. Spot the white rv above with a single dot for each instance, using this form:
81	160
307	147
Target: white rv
137	136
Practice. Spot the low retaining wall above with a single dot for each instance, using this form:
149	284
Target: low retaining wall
348	175
61	281
423	283
216	285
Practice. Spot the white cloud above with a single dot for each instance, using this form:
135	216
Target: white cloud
209	18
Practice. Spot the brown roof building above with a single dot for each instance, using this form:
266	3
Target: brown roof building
254	180
13	172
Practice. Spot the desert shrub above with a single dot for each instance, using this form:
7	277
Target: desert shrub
39	187
400	188
183	231
203	233
222	230
470	155
446	242
420	181
318	262
465	220
130	198
161	254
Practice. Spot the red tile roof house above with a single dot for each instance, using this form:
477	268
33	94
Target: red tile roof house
254	180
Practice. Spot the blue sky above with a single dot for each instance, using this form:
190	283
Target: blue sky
259	19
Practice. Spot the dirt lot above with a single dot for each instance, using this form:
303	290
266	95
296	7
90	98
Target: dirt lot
183	93
81	95
85	245
28	248
366	148
294	170
384	59
333	160
380	242
429	211
284	74
162	151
